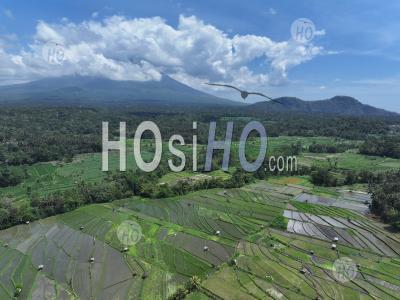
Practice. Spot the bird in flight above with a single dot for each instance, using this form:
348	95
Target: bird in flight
243	94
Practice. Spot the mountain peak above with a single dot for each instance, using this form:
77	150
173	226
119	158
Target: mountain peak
345	99
94	90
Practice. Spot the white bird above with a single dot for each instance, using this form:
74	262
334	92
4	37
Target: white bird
243	94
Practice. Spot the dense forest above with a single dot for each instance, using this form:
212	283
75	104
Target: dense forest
382	146
9	177
46	133
386	198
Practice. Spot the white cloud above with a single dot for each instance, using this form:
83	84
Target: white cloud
95	14
8	40
272	11
144	48
45	33
321	32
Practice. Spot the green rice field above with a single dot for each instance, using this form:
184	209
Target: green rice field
225	237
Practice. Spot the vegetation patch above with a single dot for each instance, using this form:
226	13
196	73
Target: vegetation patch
280	222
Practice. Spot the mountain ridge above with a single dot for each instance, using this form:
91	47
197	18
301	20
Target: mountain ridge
339	105
90	90
86	90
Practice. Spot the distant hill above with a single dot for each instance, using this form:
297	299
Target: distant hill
340	105
88	90
98	90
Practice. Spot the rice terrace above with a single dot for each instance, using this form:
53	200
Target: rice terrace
199	150
269	239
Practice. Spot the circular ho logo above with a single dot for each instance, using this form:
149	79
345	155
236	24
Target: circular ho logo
302	30
53	53
129	233
344	269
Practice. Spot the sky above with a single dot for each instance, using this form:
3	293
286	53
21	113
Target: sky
355	49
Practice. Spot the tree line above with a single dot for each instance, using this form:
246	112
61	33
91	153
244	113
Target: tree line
381	146
118	185
330	148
